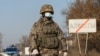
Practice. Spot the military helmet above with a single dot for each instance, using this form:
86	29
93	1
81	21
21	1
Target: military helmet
47	8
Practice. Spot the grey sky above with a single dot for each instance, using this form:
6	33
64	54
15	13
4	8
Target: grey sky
18	16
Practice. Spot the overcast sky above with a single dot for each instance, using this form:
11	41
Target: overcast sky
18	16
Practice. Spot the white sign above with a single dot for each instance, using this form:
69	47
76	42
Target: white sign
82	25
26	50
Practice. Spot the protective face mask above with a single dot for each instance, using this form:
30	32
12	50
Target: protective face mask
47	14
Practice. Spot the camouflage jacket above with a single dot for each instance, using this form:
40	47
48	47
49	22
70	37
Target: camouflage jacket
39	27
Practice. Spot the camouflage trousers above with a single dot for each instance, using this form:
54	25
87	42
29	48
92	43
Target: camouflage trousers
49	52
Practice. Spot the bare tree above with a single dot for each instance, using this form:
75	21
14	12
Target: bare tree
24	42
87	9
0	42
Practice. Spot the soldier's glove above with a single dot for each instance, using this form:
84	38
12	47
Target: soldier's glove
35	52
65	53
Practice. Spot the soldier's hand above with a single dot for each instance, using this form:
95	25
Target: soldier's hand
35	52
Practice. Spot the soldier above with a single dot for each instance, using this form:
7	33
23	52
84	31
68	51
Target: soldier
46	37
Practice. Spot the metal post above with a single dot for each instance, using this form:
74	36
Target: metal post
86	44
79	45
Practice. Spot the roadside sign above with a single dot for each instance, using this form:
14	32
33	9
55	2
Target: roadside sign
82	25
26	50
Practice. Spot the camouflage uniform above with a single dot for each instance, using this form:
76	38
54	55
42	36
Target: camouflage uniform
46	28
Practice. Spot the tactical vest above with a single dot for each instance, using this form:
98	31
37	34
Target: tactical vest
47	36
